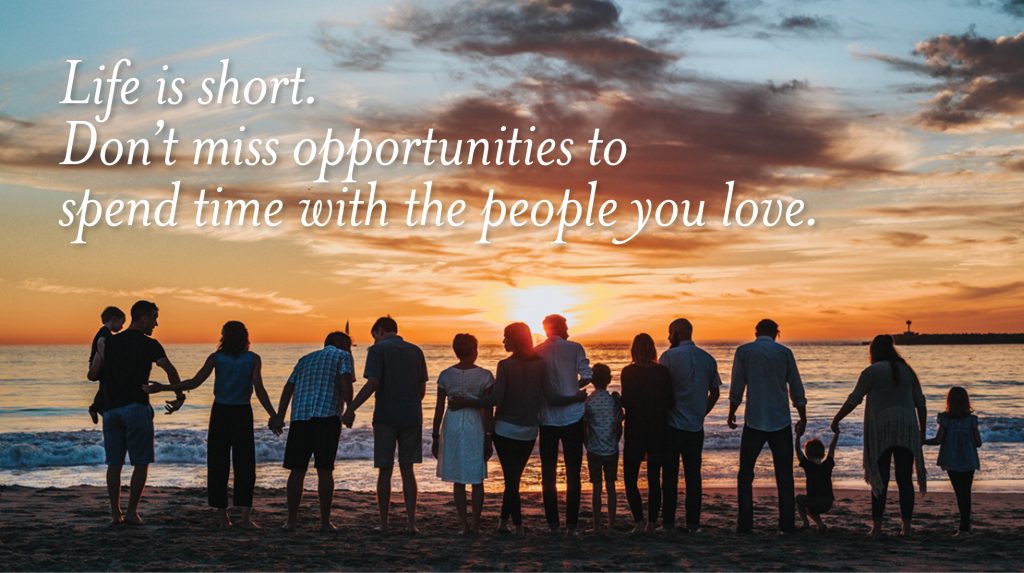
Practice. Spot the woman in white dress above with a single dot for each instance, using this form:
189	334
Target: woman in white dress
462	438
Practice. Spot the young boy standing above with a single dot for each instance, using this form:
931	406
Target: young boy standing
603	429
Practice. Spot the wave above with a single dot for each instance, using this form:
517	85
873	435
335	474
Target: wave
28	450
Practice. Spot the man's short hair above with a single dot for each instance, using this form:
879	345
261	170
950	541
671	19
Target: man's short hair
338	339
111	313
767	327
681	326
142	309
557	324
385	324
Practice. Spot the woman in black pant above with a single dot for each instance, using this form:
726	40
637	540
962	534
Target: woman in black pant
517	394
894	423
647	398
230	440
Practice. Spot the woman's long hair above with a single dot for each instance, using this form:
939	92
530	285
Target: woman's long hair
958	403
643	351
520	338
234	338
883	349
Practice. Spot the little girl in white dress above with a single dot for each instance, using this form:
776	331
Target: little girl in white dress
462	437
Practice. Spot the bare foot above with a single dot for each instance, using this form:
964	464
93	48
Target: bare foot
222	518
133	518
503	526
288	526
638	528
249	524
651	526
906	530
117	519
328	526
411	530
876	531
380	529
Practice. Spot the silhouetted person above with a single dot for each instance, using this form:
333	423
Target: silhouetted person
695	390
767	372
561	419
113	321
817	468
231	440
396	372
646	398
958	439
517	393
319	386
126	361
895	418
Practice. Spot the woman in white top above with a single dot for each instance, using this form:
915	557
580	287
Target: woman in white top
462	438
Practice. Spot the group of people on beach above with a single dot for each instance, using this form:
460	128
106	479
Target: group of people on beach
537	392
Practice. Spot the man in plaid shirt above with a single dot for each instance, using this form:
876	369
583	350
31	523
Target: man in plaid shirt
318	386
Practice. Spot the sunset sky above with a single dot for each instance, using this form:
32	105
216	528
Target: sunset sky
900	124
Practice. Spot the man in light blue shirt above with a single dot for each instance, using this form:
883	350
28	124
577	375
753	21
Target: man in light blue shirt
567	371
767	371
695	383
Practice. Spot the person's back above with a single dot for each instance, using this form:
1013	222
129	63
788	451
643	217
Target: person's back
646	399
232	384
127	364
883	392
768	371
603	418
520	382
401	368
694	373
314	378
563	361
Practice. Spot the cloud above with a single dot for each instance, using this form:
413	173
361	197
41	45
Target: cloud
1013	7
353	51
705	14
981	79
808	24
217	296
903	239
586	35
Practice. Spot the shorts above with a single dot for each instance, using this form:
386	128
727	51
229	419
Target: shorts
317	437
598	464
129	429
815	505
409	440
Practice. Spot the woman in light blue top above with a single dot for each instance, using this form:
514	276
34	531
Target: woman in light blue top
230	440
958	440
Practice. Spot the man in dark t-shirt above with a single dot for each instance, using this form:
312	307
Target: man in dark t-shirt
396	372
125	361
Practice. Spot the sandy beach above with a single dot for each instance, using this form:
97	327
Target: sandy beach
65	529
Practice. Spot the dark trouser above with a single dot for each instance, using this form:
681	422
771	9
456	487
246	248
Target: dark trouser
904	480
689	446
637	447
781	444
513	455
230	442
962	482
571	437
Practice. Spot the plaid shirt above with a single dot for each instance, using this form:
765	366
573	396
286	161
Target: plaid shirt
314	378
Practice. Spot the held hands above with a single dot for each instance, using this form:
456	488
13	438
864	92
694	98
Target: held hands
801	426
835	426
172	406
276	425
348	418
731	421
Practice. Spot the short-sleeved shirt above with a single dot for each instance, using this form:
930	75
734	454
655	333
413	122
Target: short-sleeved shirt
402	371
603	416
127	363
694	373
315	379
958	452
232	384
819	478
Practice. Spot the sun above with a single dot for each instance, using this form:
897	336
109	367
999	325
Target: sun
532	304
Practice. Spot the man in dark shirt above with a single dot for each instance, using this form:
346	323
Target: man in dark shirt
397	372
126	361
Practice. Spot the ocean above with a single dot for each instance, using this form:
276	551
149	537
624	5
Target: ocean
48	440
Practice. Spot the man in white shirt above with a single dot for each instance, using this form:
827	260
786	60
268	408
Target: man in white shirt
561	418
695	388
767	371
